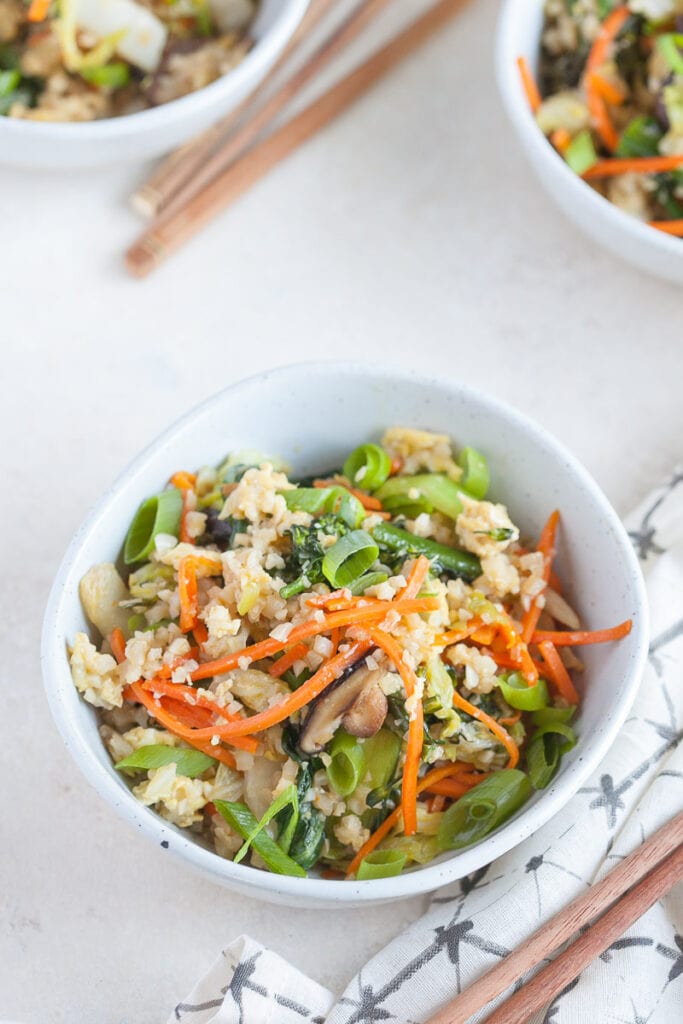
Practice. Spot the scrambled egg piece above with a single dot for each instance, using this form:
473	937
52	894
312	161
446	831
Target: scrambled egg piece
95	675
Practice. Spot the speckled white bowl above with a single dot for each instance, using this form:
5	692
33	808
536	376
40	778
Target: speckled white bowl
518	34
313	414
149	133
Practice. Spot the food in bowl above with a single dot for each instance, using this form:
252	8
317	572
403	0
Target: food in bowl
82	60
354	672
610	99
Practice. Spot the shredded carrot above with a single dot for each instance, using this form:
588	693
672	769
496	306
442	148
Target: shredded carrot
169	722
186	714
557	672
187	592
669	227
411	767
596	58
118	645
389	822
322	600
38	10
188	697
335	637
201	633
436	804
491	724
416	577
295	653
561	140
366	500
511	719
453	788
555	582
610	91
567	638
183	481
505	661
484	635
636	164
265	648
455	636
518	649
529	83
546	545
396	466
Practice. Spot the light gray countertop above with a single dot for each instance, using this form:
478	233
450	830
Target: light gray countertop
411	231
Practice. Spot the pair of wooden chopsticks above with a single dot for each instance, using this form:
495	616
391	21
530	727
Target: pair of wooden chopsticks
609	908
205	176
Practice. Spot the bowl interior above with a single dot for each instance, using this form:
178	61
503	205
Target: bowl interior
313	415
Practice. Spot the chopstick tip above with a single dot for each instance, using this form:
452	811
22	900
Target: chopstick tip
143	257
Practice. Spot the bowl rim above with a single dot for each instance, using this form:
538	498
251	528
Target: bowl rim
59	687
521	116
265	50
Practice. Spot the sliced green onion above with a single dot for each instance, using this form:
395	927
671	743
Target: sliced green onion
381	864
518	693
369	579
548	716
545	750
347	560
309	837
188	762
240	818
425	492
287	798
452	561
108	76
146	582
347	767
475	476
367	467
160	514
581	154
9	80
381	757
483	809
316	500
668	45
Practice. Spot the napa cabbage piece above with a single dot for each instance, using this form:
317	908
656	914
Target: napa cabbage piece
102	590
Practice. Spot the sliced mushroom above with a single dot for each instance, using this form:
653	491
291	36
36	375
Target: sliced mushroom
357	702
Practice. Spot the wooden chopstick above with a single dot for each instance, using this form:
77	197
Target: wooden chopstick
152	196
621	897
171	231
252	127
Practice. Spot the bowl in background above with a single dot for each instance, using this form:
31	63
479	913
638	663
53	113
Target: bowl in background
518	35
313	415
149	133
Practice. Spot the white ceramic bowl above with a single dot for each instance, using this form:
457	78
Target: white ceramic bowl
519	31
314	414
152	132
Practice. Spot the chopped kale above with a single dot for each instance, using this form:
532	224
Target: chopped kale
304	564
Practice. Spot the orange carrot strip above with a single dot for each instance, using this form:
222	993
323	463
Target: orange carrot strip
596	58
566	638
322	600
295	653
396	466
609	91
454	788
483	636
265	648
491	724
183	481
201	633
38	10
608	32
436	804
416	577
529	83
118	645
335	637
411	767
504	661
188	697
389	822
170	723
518	649
557	672
669	227
456	636
187	592
546	545
511	719
366	500
561	140
636	164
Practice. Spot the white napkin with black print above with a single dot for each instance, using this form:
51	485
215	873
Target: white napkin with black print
473	923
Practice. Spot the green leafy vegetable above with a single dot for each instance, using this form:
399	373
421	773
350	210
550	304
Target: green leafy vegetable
381	864
287	798
367	467
451	561
188	762
640	138
309	834
240	818
483	809
304	564
346	561
160	514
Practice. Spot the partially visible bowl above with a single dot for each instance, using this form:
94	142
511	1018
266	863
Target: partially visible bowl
151	132
518	34
313	414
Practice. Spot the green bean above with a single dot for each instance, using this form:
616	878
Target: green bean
381	757
346	561
240	818
426	492
347	767
188	762
160	514
452	561
475	477
518	694
483	809
367	467
381	864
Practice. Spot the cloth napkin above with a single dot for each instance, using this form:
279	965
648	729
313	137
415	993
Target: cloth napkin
471	924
